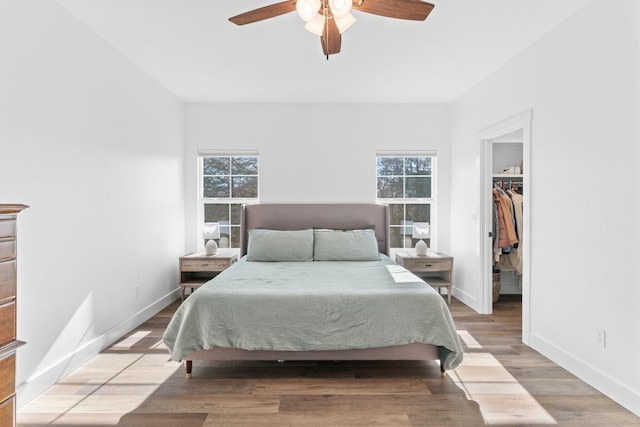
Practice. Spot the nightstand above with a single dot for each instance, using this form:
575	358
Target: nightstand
198	268
435	268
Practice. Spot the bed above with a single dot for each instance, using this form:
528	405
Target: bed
314	282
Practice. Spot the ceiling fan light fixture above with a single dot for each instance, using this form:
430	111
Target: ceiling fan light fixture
308	9
328	19
315	25
340	8
344	22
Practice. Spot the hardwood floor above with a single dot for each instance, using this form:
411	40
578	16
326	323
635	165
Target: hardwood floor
501	381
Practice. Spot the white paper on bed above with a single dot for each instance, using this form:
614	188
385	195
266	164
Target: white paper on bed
319	305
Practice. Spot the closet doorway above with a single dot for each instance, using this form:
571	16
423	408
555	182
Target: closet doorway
506	148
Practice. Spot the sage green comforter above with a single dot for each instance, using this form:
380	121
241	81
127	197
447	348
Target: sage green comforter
317	305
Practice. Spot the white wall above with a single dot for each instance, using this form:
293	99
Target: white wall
582	83
94	146
318	152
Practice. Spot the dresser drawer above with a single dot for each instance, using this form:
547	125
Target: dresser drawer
7	411
204	265
7	227
7	373
7	279
7	322
7	247
427	265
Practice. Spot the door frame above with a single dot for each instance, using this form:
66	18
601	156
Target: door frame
521	121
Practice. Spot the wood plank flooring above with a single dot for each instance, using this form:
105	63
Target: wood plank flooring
501	382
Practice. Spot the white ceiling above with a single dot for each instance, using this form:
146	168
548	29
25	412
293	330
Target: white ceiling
191	48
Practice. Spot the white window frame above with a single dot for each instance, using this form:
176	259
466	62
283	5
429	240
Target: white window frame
202	201
431	201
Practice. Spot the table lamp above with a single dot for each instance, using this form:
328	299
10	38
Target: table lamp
421	231
210	232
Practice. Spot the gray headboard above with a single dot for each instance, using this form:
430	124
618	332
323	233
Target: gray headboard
338	216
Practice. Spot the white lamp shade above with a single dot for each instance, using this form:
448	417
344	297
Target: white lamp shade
315	25
211	230
340	8
344	22
421	230
307	9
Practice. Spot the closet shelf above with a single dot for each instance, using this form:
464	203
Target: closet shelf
507	175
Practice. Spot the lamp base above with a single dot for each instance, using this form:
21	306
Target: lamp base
421	248
211	247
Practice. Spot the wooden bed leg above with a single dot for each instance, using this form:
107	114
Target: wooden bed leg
188	364
443	373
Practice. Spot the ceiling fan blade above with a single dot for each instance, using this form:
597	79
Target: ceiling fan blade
263	13
331	38
415	10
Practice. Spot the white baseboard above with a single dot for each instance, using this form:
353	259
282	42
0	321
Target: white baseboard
588	373
41	381
466	299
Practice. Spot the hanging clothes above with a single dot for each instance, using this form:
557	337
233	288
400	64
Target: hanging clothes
497	251
513	260
505	210
500	237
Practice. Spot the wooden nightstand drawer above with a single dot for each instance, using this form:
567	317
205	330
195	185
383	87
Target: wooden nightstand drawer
7	322
204	265
7	409
428	264
7	247
7	373
7	279
7	227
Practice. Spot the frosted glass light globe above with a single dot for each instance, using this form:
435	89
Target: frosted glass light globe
340	8
344	22
316	25
307	9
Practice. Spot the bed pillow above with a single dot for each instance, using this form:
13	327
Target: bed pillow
280	245
345	245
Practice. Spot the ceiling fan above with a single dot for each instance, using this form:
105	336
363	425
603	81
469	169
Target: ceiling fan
330	18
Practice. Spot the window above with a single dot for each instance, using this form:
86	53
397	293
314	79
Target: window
226	183
406	183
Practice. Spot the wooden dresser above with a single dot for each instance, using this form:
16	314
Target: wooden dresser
8	341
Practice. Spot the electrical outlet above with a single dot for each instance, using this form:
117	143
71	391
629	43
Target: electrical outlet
601	337
136	291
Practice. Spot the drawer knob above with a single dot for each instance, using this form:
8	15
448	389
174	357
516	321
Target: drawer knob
428	265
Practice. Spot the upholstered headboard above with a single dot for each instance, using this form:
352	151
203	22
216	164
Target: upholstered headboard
338	216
